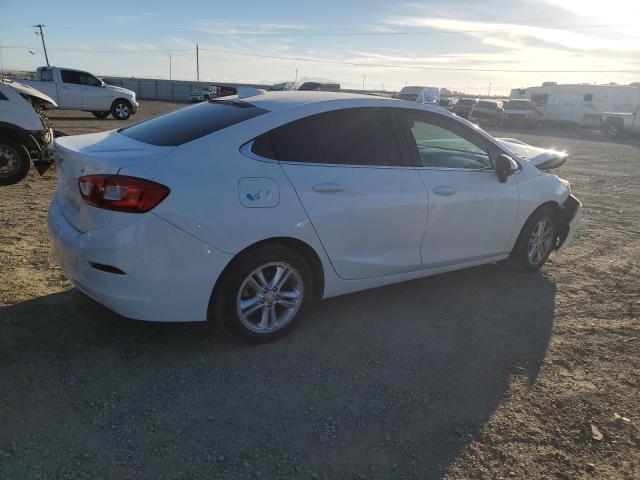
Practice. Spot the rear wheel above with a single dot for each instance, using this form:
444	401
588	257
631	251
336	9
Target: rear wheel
14	162
100	114
612	130
535	242
121	109
264	294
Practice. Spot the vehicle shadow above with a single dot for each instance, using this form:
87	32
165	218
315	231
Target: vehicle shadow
388	383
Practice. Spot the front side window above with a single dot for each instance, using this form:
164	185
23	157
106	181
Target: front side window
71	76
442	144
90	80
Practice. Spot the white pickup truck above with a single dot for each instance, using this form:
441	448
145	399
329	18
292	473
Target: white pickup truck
78	90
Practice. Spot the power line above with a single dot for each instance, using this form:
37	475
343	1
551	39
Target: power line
336	62
417	67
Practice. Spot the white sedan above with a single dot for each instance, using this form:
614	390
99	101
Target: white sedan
246	210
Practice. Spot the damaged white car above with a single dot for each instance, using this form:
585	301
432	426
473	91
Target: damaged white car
245	210
26	135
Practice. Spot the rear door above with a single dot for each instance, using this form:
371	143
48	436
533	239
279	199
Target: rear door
471	214
70	90
368	206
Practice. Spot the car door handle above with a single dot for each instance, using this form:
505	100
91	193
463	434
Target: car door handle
328	188
444	191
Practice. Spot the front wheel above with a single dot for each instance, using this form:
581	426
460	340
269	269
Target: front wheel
535	242
14	162
100	114
264	294
121	109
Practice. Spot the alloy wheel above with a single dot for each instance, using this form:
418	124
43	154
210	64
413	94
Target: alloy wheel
540	241
122	110
269	297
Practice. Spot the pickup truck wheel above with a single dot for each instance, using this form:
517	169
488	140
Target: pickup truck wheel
121	109
612	130
14	162
100	114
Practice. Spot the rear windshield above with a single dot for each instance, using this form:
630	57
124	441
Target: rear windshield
519	105
466	101
486	105
412	97
186	124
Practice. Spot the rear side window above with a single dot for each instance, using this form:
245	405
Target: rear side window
189	123
358	136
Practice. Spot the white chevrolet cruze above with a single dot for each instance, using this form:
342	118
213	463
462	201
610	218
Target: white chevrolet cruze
246	210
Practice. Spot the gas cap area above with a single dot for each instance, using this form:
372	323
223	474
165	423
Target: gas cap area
258	192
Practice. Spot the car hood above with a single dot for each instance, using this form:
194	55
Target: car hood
542	158
125	91
30	91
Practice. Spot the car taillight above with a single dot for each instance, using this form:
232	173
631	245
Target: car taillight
121	193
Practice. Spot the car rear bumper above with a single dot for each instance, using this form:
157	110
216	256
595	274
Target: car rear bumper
168	274
571	215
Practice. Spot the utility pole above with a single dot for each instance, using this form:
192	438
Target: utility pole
197	63
489	94
296	80
39	26
169	67
363	77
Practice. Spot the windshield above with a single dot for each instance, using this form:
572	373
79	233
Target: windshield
466	101
519	105
489	105
186	124
412	97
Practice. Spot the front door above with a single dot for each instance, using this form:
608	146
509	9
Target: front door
367	205
471	214
71	89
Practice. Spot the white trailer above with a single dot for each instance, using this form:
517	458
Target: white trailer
582	103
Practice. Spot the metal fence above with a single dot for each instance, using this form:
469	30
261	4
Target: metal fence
17	74
175	90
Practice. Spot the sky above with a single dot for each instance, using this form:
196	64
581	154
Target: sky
463	45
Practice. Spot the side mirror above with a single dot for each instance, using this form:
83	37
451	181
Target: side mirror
504	167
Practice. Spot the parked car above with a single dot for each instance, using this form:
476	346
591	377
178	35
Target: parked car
447	103
615	124
25	131
521	112
486	112
463	106
319	87
245	211
213	91
78	90
426	95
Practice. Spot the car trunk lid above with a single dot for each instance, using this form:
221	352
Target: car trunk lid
99	153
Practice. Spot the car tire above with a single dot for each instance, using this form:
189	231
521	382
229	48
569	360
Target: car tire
100	114
121	109
612	130
253	308
14	162
537	239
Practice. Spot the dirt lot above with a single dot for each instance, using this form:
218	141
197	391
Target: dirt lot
483	373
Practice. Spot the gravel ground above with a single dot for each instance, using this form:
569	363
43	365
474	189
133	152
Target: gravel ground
483	373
